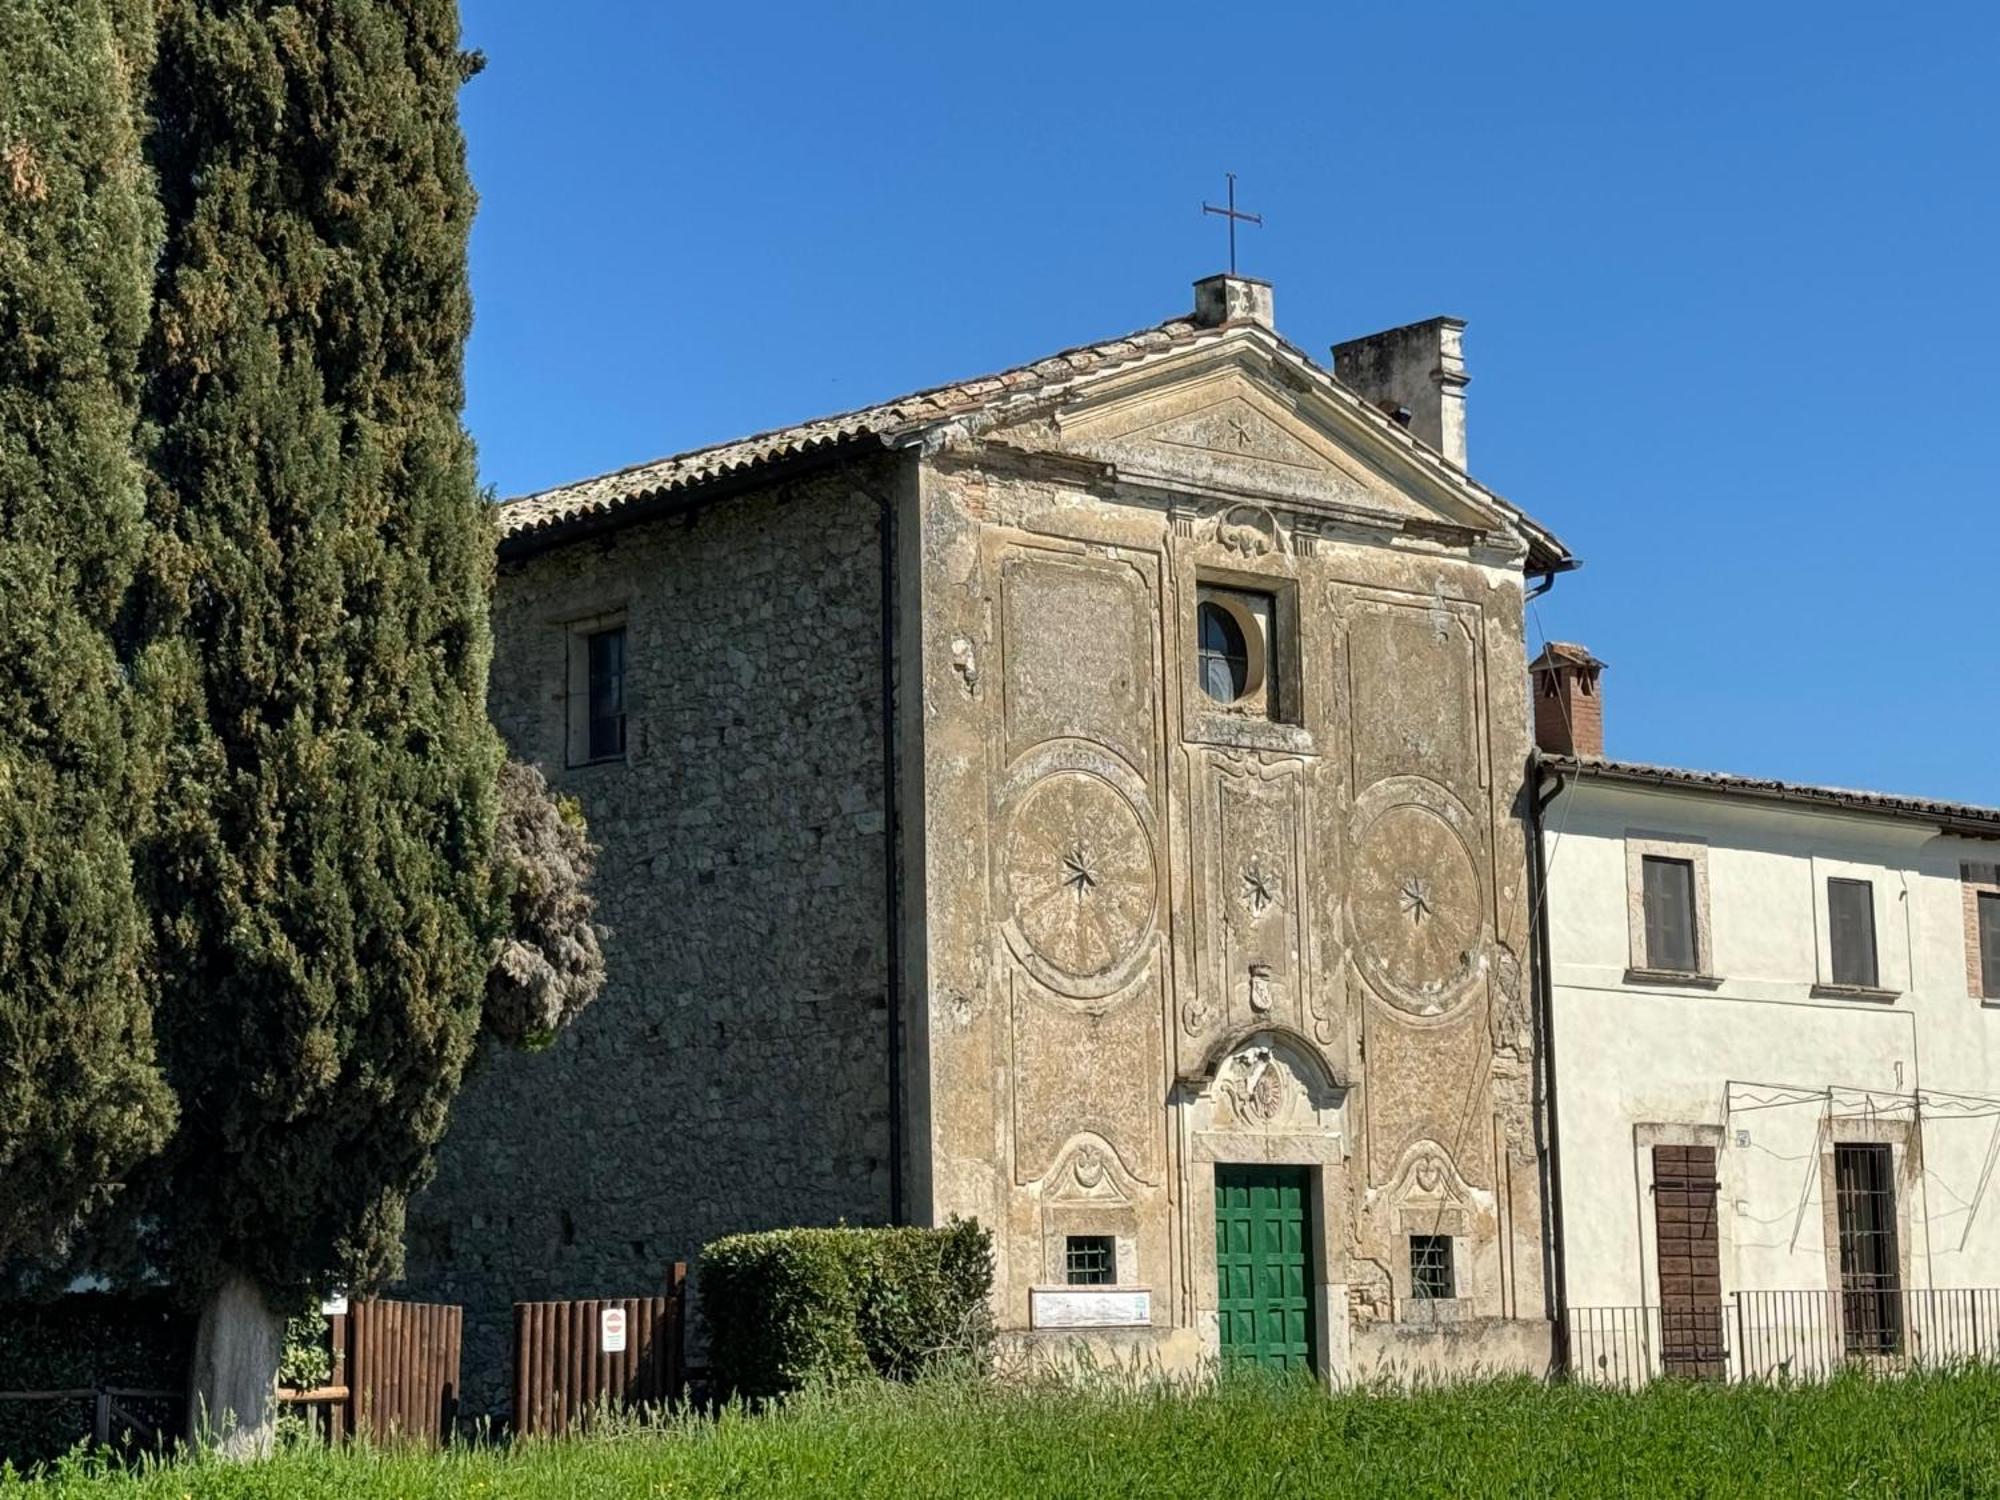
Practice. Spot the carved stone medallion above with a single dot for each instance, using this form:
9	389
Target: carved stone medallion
1080	874
1417	903
1257	1087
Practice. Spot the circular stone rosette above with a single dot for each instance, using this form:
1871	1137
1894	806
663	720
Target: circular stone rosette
1078	881
1416	903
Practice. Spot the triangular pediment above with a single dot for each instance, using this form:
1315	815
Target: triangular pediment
1228	420
1233	428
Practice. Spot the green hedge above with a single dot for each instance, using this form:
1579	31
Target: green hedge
788	1307
86	1339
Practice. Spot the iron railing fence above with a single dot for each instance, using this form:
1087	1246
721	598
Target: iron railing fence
1812	1334
1790	1335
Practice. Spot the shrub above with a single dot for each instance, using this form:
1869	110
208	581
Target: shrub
790	1307
82	1340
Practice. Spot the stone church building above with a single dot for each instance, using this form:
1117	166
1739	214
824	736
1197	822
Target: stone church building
1089	799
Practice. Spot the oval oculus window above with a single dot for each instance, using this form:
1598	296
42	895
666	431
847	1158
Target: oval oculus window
1224	653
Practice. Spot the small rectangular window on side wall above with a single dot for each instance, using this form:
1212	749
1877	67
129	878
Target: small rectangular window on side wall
595	696
1433	1277
606	649
1090	1260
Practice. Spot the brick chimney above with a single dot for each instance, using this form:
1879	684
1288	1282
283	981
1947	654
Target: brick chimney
1416	374
1569	705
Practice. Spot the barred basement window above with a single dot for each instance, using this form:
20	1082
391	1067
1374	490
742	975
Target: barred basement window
1431	1273
1090	1260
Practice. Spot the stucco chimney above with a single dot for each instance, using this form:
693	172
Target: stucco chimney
1227	298
1416	374
1569	704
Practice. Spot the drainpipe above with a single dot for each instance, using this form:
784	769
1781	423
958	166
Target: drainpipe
892	845
1555	1261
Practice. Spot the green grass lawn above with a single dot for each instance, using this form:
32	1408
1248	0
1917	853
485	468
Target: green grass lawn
1933	1434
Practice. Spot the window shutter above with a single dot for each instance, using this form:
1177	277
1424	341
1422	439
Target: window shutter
1668	896
1850	910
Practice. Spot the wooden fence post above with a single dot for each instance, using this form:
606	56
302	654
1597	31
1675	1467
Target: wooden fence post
676	1332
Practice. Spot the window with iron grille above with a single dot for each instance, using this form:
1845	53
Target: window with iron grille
1668	896
1090	1260
1431	1274
1850	923
1870	1280
1989	945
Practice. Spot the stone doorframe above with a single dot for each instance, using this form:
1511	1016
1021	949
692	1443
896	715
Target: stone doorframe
1269	1103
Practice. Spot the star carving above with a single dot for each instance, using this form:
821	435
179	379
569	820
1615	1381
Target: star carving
1415	896
1077	875
1260	891
1081	873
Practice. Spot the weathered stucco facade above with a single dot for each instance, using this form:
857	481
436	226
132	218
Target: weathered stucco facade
1767	1064
1162	935
1144	937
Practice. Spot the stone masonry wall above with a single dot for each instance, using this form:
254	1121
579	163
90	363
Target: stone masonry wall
734	1073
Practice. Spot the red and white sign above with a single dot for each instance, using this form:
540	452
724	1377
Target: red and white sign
611	1331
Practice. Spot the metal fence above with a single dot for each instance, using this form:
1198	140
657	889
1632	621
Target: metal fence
1795	1335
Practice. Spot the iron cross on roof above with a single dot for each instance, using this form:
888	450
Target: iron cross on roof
1232	214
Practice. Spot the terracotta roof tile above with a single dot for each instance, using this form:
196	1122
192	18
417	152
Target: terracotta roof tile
1957	817
607	492
886	422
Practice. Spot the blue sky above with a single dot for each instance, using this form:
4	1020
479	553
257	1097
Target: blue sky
1728	271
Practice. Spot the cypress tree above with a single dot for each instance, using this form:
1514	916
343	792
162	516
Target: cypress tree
322	559
81	1100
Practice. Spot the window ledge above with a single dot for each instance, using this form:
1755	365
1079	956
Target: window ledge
1431	1311
1853	992
1246	732
1686	978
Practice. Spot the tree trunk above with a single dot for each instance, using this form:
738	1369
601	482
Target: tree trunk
232	1391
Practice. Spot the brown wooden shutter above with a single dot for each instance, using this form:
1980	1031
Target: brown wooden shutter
1684	1193
1989	943
1850	914
1668	896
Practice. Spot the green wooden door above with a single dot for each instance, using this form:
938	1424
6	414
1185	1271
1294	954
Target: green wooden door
1264	1303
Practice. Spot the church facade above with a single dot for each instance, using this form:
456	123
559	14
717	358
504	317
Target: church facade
1089	799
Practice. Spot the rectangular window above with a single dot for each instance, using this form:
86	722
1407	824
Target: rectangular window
1669	902
1090	1260
605	731
1850	918
1870	1280
1989	944
1431	1274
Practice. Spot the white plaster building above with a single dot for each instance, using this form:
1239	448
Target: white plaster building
1773	1021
